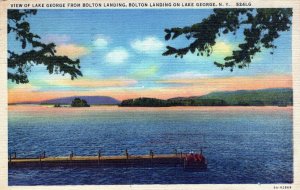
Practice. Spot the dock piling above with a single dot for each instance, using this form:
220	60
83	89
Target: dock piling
151	153
99	155
71	155
126	153
40	160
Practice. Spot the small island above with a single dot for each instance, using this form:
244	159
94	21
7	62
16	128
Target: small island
77	102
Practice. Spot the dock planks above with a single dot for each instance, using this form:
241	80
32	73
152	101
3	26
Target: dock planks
131	160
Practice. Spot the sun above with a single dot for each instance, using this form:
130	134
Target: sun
222	49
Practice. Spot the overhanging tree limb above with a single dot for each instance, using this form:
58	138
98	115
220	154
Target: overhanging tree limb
34	51
260	28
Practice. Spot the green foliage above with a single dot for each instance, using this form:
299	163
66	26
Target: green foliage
265	97
34	51
255	97
197	102
153	102
144	102
260	28
77	102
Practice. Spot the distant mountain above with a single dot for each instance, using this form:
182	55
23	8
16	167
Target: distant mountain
272	96
92	100
263	97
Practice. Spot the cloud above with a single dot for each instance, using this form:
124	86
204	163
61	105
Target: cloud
18	93
22	88
186	75
63	82
93	83
148	45
101	42
126	88
56	38
71	50
117	56
142	73
55	86
234	83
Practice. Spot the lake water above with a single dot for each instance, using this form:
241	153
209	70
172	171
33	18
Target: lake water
243	144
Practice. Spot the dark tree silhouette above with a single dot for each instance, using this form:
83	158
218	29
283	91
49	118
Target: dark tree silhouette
77	102
260	28
34	51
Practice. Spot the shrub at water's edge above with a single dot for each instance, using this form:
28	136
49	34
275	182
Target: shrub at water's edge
77	102
145	102
153	102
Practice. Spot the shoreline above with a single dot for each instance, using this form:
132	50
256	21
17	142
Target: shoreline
115	108
116	105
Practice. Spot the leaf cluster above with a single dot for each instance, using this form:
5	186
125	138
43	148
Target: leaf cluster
260	28
34	51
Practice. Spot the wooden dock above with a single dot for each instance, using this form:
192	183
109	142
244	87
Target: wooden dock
126	160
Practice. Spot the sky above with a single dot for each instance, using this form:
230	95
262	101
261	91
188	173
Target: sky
120	54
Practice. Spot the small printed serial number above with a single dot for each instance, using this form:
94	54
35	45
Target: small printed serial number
240	4
282	187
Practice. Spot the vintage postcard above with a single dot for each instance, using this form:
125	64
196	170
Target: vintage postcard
149	95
